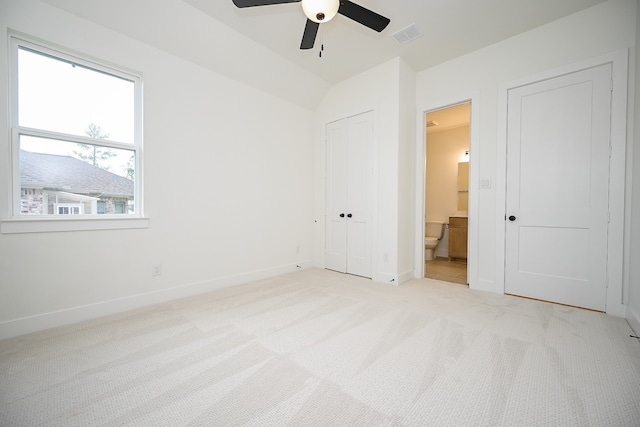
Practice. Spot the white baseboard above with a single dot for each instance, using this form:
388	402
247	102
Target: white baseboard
405	277
394	280
486	286
385	278
39	322
633	318
617	310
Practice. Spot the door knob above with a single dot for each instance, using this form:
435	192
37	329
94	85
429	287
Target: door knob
512	218
349	215
342	215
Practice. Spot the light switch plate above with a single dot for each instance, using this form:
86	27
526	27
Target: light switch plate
485	183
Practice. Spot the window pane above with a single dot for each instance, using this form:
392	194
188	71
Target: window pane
62	96
59	177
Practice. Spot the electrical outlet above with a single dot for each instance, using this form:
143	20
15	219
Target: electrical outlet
298	249
156	270
385	257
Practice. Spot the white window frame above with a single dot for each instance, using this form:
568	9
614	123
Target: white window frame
18	223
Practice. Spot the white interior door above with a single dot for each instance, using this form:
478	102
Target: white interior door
349	188
558	143
336	197
359	177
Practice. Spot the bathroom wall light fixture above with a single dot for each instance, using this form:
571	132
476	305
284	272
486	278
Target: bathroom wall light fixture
464	157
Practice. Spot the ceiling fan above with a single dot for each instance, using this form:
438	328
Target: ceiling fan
319	11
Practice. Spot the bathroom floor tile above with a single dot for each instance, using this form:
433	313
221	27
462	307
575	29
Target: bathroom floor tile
447	271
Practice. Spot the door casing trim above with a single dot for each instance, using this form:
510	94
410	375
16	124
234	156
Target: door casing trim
617	246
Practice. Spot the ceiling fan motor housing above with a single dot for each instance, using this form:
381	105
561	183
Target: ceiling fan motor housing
320	10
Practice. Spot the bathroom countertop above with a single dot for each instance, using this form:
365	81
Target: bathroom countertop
460	214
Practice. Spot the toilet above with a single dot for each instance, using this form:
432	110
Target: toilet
433	233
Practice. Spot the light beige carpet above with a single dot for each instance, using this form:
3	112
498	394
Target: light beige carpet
322	348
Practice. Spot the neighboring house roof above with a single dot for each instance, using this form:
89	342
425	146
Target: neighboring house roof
56	172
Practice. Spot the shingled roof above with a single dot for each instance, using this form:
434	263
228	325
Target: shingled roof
66	173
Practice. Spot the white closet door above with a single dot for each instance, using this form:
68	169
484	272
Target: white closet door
359	189
349	195
336	197
557	188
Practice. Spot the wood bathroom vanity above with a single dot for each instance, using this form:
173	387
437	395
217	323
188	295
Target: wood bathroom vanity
458	232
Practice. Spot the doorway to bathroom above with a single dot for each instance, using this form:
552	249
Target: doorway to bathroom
447	155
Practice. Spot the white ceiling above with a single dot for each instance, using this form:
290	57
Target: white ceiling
231	41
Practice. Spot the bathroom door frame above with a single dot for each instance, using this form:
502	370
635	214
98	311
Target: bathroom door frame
421	176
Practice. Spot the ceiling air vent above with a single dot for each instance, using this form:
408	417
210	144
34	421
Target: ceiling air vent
406	34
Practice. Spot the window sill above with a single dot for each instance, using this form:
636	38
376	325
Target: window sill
40	225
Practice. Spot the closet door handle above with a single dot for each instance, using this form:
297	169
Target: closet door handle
341	215
349	216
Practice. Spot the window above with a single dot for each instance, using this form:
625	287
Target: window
68	209
76	136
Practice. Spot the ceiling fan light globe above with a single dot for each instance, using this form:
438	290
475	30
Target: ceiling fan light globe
320	11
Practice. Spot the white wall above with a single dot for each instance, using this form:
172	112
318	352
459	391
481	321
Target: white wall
407	155
602	29
633	306
228	183
381	89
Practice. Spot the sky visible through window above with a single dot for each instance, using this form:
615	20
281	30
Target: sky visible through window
61	96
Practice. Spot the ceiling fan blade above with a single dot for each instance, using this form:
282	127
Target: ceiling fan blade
309	35
363	15
252	3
